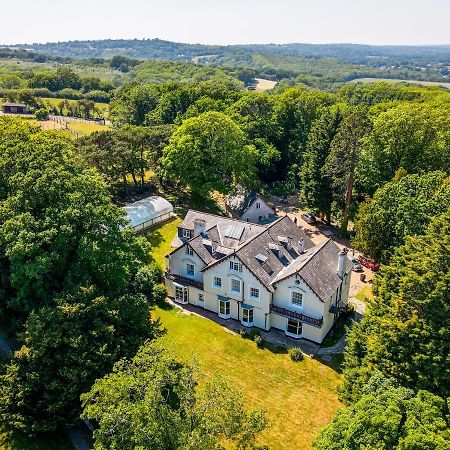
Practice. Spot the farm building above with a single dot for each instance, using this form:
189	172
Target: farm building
15	108
147	212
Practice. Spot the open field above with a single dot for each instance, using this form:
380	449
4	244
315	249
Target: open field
264	85
391	80
300	397
83	129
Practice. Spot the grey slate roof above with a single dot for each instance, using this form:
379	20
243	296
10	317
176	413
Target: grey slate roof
317	266
239	200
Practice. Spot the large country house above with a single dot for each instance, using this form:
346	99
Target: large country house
261	275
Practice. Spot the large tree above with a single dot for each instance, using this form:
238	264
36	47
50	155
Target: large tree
406	332
387	416
414	137
400	208
74	288
340	165
209	152
315	187
153	402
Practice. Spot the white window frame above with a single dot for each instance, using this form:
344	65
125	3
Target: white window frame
226	309
231	286
253	297
217	286
299	327
236	266
295	305
188	263
249	312
189	250
186	233
181	294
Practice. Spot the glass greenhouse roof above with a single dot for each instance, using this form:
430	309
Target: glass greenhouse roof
146	209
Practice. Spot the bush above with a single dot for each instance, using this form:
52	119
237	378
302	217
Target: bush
296	354
242	333
159	293
255	332
98	96
258	340
41	114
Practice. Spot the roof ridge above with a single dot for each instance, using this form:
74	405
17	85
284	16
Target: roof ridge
229	218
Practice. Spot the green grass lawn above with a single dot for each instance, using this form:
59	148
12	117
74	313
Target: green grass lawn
300	398
83	129
18	441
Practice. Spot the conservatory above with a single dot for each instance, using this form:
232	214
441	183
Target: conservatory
148	212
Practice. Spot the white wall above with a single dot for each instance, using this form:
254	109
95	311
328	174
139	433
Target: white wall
178	261
253	213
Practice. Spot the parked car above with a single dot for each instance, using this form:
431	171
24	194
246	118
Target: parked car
369	263
357	267
309	218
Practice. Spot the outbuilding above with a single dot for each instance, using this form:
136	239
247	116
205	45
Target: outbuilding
15	108
147	212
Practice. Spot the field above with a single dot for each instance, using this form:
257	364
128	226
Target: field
391	80
103	107
264	85
83	129
300	398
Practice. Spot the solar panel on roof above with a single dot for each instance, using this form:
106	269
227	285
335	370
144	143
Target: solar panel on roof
234	231
261	258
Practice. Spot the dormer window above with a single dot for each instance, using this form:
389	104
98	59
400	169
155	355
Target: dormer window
186	233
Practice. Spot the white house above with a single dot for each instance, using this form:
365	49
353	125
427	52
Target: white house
261	275
249	207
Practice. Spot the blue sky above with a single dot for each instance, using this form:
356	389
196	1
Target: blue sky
229	21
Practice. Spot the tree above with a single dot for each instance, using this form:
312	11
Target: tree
208	153
406	332
67	346
152	402
315	188
389	417
341	162
400	208
414	137
41	114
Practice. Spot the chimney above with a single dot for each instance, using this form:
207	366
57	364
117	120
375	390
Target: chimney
199	227
301	246
341	263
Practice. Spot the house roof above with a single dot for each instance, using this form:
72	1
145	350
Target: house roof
271	253
240	200
22	105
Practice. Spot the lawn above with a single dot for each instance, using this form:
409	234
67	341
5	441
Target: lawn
18	441
83	129
394	80
300	398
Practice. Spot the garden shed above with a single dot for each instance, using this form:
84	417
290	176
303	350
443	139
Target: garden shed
147	212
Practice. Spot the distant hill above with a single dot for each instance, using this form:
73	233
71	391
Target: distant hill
173	51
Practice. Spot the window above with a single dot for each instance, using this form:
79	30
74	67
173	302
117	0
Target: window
294	327
217	282
235	285
189	250
186	233
258	205
224	308
254	292
237	266
200	298
190	269
297	298
247	316
181	294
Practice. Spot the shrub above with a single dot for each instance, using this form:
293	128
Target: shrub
41	114
296	354
159	293
242	333
258	340
255	332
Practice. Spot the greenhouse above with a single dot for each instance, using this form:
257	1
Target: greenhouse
147	212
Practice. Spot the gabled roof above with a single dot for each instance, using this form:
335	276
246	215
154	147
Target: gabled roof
271	253
240	200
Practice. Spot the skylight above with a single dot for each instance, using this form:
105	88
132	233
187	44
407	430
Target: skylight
234	231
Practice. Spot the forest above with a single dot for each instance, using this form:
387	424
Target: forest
77	287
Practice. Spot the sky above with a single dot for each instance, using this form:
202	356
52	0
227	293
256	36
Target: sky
409	22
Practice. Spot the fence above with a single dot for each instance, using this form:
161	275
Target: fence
149	223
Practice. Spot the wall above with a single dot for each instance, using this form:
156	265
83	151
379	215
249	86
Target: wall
178	260
252	213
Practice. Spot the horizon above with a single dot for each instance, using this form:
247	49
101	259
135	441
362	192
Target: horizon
393	23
